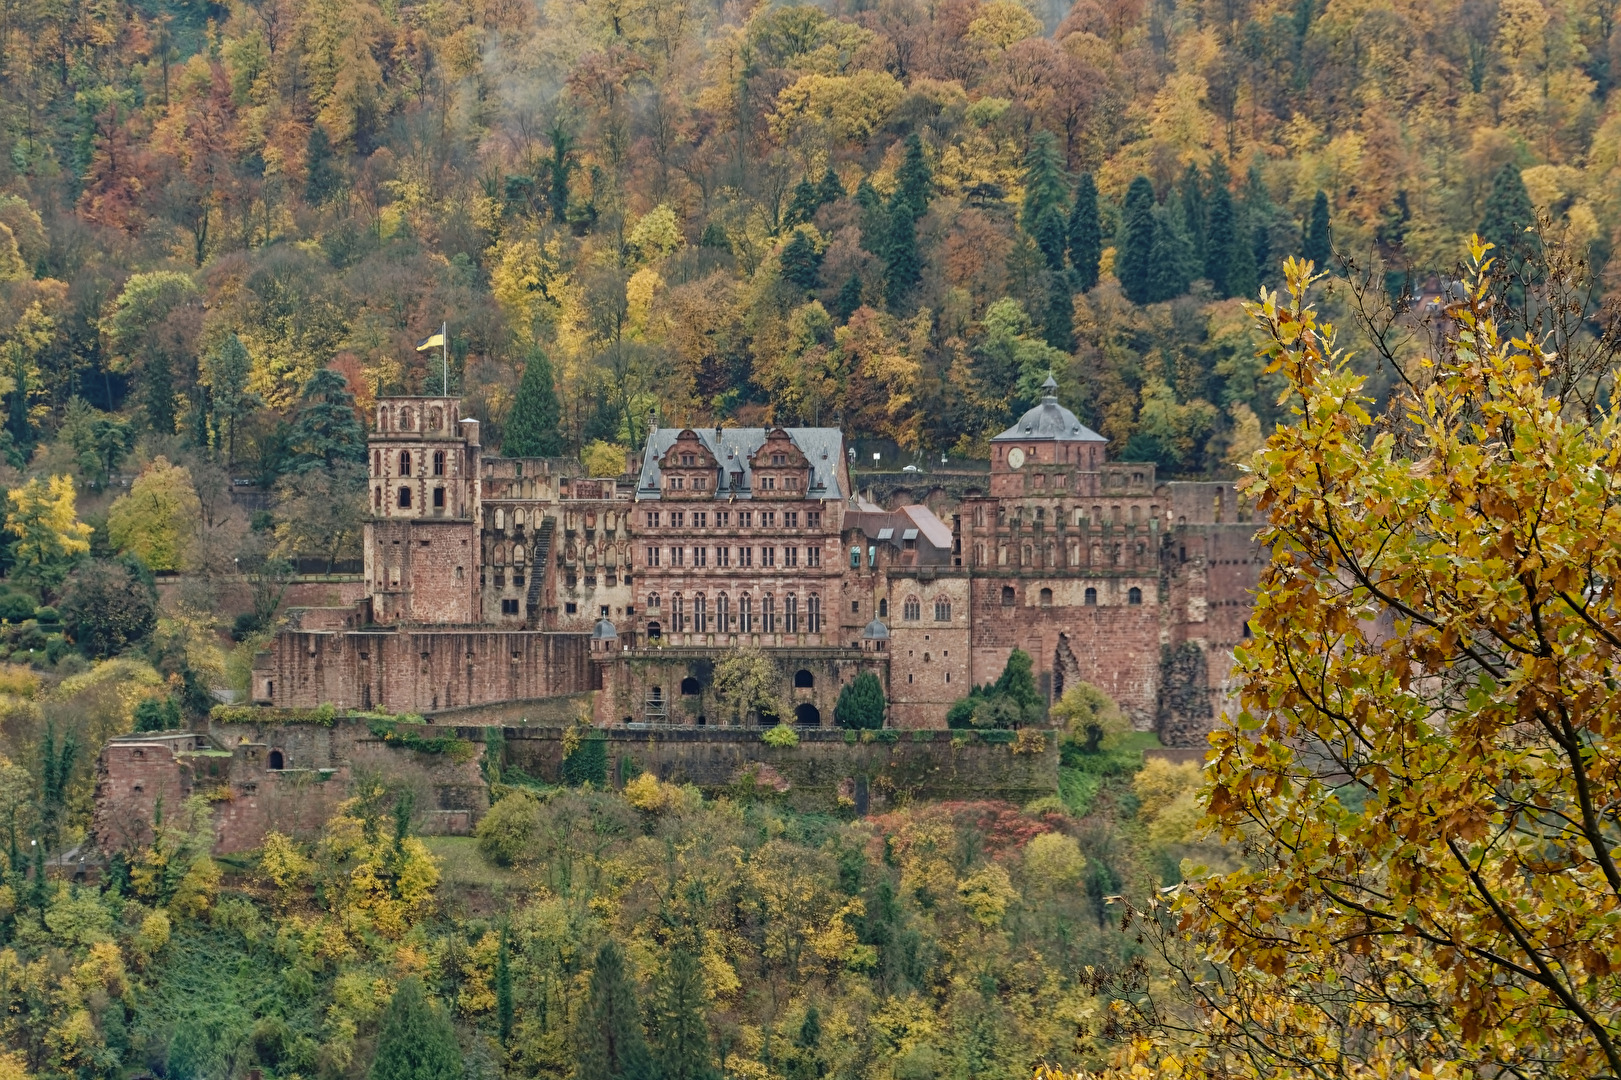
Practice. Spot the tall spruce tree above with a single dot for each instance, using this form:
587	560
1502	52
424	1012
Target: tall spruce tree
1195	213
504	1010
914	184
1058	324
1258	213
1085	233
609	1040
1223	247
1134	246
325	430
417	1041
321	176
1508	215
1051	238
1171	257
804	203
903	267
801	263
681	1049
830	189
848	298
1317	247
1044	183
531	429
861	703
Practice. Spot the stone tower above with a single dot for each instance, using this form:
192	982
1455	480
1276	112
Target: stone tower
422	540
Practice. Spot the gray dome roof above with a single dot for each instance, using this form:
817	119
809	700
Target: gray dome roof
604	631
876	631
1049	420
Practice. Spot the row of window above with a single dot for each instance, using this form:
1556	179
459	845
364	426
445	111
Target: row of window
725	556
1116	516
407	419
912	609
724	618
1134	596
700	519
403	498
438	463
1093	555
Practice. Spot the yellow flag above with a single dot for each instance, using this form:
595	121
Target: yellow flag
437	338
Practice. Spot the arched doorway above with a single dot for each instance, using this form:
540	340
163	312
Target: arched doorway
803	679
654	632
808	715
276	760
689	686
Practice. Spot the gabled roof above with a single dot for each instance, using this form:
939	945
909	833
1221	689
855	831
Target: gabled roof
1049	420
733	447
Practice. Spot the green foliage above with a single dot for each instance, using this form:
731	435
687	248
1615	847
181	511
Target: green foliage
508	832
609	1041
801	262
1044	186
587	763
680	1032
1134	242
1008	703
1085	233
417	1041
321	715
861	703
781	736
531	428
1507	217
1317	247
324	431
106	607
158	714
409	735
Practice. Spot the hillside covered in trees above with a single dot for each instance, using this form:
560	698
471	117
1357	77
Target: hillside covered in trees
895	216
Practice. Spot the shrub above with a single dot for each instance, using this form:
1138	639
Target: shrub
15	607
861	703
508	831
782	736
1053	860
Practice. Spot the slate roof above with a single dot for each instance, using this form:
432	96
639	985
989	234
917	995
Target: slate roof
732	447
1049	420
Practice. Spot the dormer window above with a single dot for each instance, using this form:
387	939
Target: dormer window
779	459
688	460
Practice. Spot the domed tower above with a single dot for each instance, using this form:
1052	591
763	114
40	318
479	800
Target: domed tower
1048	452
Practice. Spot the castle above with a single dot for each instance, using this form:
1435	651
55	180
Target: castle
491	579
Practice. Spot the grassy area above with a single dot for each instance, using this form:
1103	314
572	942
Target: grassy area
1083	775
461	864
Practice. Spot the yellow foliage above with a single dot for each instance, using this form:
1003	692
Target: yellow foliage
526	280
656	234
844	107
154	933
102	969
196	891
18	680
1177	821
286	867
45	522
157	520
603	458
986	893
1159	783
651	795
1053	860
1002	22
14	1066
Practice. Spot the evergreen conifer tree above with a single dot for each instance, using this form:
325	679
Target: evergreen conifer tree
804	203
1085	233
807	1061
913	182
861	703
1257	216
1171	258
1050	237
1317	247
1195	211
1261	249
503	989
681	1049
531	428
903	267
830	189
1058	325
801	263
610	1044
325	430
848	298
1508	214
1222	242
417	1041
321	177
1044	181
1135	241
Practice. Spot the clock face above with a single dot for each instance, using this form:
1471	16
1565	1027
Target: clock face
1015	458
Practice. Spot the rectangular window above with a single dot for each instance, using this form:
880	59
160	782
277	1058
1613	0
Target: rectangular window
793	482
509	607
768	519
438	498
813	519
700	556
675	556
652	556
745	519
571	609
745	556
723	518
678	614
768	556
500	579
438	463
790	556
790	614
813	556
768	615
652	519
676	519
768	483
723	556
698	519
790	519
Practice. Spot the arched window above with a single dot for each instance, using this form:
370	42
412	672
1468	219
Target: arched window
517	519
382	418
517	554
1007	596
405	463
1134	596
437	419
652	599
790	614
654	631
803	679
500	555
768	615
883	609
912	610
500	520
700	614
405	498
723	613
377	462
689	686
438	463
276	760
855	557
1091	598
813	614
942	609
745	614
405	420
678	615
1046	598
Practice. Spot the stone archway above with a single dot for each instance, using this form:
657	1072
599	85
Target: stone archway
808	715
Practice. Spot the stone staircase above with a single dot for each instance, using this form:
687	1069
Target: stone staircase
542	551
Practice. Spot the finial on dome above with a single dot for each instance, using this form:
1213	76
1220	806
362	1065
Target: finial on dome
1050	386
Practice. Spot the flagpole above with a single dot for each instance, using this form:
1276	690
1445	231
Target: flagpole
444	352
